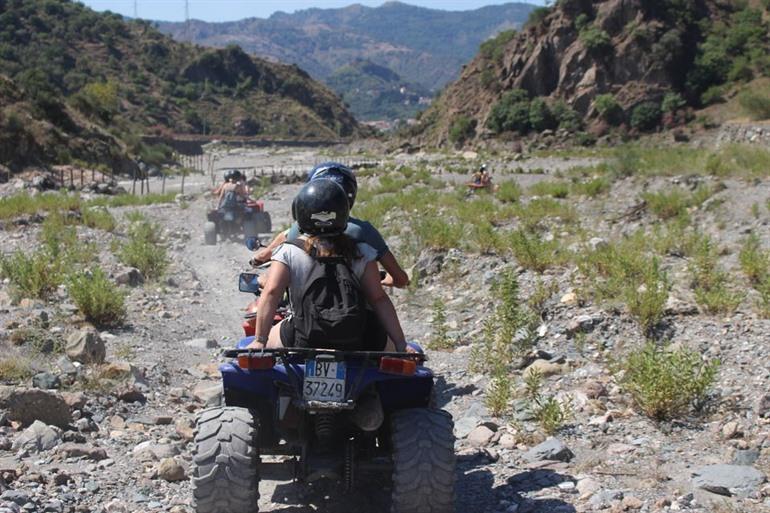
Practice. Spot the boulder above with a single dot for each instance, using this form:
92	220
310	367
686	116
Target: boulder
46	381
552	449
26	405
722	479
86	346
38	437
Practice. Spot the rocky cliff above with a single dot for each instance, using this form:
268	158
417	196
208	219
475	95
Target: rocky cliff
626	52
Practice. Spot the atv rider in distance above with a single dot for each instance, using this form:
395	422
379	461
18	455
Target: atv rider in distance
326	272
358	230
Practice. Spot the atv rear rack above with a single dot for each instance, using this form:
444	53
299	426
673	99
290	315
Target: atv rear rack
311	352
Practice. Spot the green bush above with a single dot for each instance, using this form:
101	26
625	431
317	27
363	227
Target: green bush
97	298
32	275
537	15
710	282
672	102
667	205
592	188
540	116
756	105
462	129
581	21
508	331
437	232
566	117
667	383
645	116
754	260
595	39
508	191
550	188
99	218
534	252
494	47
647	302
608	108
498	393
440	338
143	250
547	410
511	113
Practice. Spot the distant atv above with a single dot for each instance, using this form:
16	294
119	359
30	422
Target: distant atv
244	220
324	413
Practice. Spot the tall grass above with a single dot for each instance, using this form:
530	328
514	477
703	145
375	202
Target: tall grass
100	300
143	249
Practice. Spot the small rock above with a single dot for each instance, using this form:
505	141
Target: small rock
74	450
480	436
16	496
630	503
86	346
594	389
728	480
580	324
587	486
551	449
569	299
170	470
210	394
731	430
46	381
130	276
507	441
745	457
185	428
546	368
465	425
202	343
763	406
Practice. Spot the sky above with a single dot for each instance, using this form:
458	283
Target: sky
228	10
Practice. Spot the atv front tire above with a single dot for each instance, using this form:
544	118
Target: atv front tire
210	233
423	461
225	471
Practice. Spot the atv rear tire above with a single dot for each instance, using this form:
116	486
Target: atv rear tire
423	461
225	471
210	233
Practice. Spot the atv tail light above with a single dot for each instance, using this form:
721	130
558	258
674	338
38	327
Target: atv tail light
255	362
400	366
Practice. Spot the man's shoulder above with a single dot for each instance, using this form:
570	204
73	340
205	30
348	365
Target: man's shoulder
364	226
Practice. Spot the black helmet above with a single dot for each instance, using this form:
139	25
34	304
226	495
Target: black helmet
232	174
321	208
343	175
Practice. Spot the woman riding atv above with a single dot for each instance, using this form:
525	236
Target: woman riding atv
348	276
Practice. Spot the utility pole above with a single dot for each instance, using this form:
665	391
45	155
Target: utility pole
136	10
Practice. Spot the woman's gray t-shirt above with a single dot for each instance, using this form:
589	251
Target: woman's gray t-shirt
300	263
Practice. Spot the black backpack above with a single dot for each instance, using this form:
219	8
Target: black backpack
329	308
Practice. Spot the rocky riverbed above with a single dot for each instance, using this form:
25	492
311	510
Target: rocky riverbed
105	425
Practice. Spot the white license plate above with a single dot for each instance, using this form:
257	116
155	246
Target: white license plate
324	381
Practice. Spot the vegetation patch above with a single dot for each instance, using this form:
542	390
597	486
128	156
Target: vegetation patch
710	282
100	300
144	250
549	412
666	383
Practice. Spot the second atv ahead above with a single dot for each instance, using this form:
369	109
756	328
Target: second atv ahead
245	220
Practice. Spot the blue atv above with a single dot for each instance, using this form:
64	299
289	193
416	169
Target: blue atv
333	414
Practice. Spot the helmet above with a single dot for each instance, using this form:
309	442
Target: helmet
321	208
483	167
343	175
232	174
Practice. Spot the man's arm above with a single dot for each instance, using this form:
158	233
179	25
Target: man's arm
396	277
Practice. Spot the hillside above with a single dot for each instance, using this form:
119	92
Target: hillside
615	65
424	46
375	92
96	72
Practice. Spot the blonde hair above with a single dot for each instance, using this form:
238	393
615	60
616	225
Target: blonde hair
335	246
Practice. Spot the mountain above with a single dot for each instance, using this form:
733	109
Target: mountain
374	92
625	65
424	46
71	72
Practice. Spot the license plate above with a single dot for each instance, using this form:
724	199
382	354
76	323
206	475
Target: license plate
324	381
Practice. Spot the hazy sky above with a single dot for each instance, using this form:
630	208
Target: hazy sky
225	10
